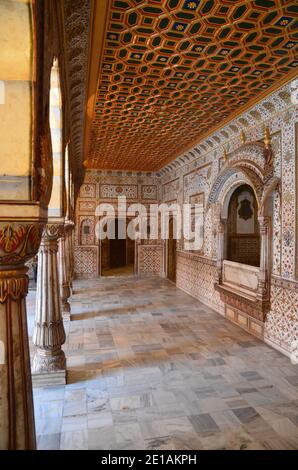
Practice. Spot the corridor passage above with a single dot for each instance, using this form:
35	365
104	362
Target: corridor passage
149	367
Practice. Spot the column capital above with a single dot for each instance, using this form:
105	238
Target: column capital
264	224
19	241
53	231
263	219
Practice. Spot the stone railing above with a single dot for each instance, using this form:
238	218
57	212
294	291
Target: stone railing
241	277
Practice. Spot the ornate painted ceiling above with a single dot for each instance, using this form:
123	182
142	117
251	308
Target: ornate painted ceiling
171	71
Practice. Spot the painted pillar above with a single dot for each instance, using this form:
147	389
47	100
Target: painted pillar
18	243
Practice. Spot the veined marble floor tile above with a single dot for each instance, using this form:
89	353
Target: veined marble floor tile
149	367
48	425
160	443
74	423
129	436
48	441
99	419
103	438
74	440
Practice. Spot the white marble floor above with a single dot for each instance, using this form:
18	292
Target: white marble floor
149	367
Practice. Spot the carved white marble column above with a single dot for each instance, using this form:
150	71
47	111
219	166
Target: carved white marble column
264	257
220	249
68	258
69	252
64	274
18	243
49	363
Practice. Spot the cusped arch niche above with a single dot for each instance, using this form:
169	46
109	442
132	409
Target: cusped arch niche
243	233
241	286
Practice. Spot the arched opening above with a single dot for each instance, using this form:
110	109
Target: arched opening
55	208
117	251
67	182
243	233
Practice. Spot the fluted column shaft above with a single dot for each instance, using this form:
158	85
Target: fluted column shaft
64	274
49	334
69	253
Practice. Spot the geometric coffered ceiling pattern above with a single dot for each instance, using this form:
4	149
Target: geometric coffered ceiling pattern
173	70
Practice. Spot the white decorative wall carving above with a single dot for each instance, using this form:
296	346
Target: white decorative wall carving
149	192
87	190
112	191
88	206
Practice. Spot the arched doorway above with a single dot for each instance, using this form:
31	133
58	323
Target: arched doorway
243	233
171	252
117	253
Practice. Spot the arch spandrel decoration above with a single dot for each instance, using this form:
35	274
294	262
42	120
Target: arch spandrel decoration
252	154
251	164
248	164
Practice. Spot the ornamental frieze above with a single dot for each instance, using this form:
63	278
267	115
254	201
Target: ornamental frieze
115	190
